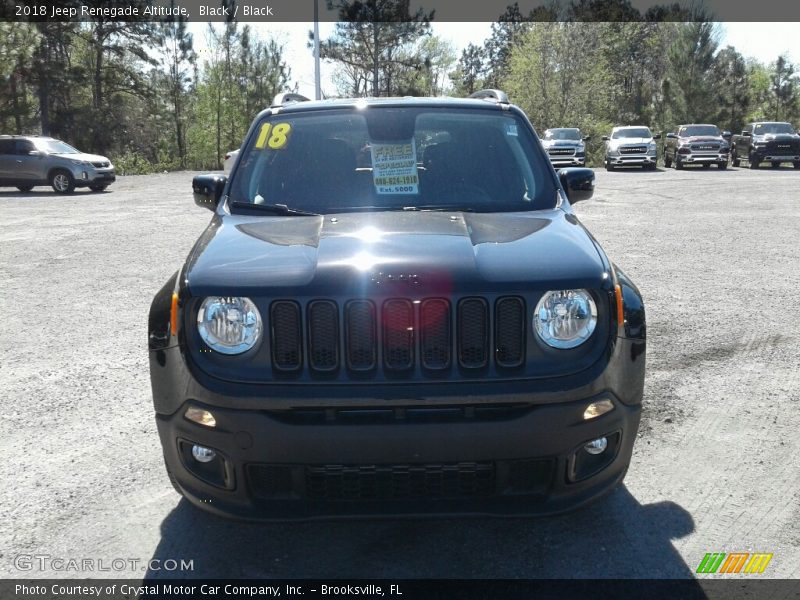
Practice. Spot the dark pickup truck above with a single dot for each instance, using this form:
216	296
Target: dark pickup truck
770	142
696	145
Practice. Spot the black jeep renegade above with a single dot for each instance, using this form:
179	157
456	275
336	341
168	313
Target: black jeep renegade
394	310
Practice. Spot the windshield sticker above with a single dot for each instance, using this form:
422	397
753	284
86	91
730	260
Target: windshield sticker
278	139
394	168
511	129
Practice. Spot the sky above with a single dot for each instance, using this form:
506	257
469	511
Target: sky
762	41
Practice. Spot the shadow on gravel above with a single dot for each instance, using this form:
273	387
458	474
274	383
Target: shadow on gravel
615	537
17	195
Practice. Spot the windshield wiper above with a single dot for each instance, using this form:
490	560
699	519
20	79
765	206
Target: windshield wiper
439	208
275	209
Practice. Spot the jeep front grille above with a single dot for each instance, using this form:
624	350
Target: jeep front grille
398	335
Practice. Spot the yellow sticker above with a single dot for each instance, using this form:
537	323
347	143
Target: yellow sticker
278	139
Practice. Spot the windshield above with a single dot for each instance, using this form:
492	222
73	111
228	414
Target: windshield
563	134
767	128
389	158
698	130
632	132
55	147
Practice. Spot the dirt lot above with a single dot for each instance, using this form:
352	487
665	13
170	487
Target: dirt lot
715	468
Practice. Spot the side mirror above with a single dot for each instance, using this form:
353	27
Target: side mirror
34	153
747	134
657	136
577	182
604	138
726	135
586	138
672	136
208	190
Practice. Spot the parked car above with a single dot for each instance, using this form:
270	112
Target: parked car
394	310
565	146
28	160
632	145
230	158
696	144
766	141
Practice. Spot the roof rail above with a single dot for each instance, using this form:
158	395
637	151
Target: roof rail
497	95
286	98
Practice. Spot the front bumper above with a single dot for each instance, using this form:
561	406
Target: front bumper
504	448
86	176
630	160
560	162
699	159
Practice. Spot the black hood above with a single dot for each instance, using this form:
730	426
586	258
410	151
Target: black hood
385	252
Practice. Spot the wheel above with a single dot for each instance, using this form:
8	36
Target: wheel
753	162
797	165
722	166
678	164
97	188
62	181
25	188
706	165
775	165
734	159
609	166
667	161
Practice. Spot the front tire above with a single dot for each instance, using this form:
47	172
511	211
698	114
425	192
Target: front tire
25	188
797	165
753	162
678	164
62	181
722	166
667	161
609	166
775	165
734	159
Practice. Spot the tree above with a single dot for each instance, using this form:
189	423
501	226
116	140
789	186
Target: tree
467	76
374	41
178	60
691	63
783	85
733	89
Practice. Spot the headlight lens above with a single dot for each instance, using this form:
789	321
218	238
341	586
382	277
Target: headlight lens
229	325
651	147
566	318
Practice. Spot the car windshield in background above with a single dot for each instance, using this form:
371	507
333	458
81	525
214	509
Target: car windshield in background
634	132
390	158
698	130
55	147
562	134
772	128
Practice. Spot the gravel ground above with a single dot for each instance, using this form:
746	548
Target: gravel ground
715	468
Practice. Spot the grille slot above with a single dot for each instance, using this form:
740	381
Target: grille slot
287	335
384	482
473	333
398	334
435	338
561	151
509	332
323	335
361	335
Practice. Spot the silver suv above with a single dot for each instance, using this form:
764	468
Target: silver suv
28	161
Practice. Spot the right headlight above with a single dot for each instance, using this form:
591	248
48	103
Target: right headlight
229	324
565	318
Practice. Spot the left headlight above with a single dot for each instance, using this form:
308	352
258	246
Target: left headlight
651	148
565	318
229	325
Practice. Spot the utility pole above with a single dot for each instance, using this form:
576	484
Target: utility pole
317	86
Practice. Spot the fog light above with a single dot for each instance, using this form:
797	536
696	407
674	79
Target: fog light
597	446
85	175
595	409
206	455
200	416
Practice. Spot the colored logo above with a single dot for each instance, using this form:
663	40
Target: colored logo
734	562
